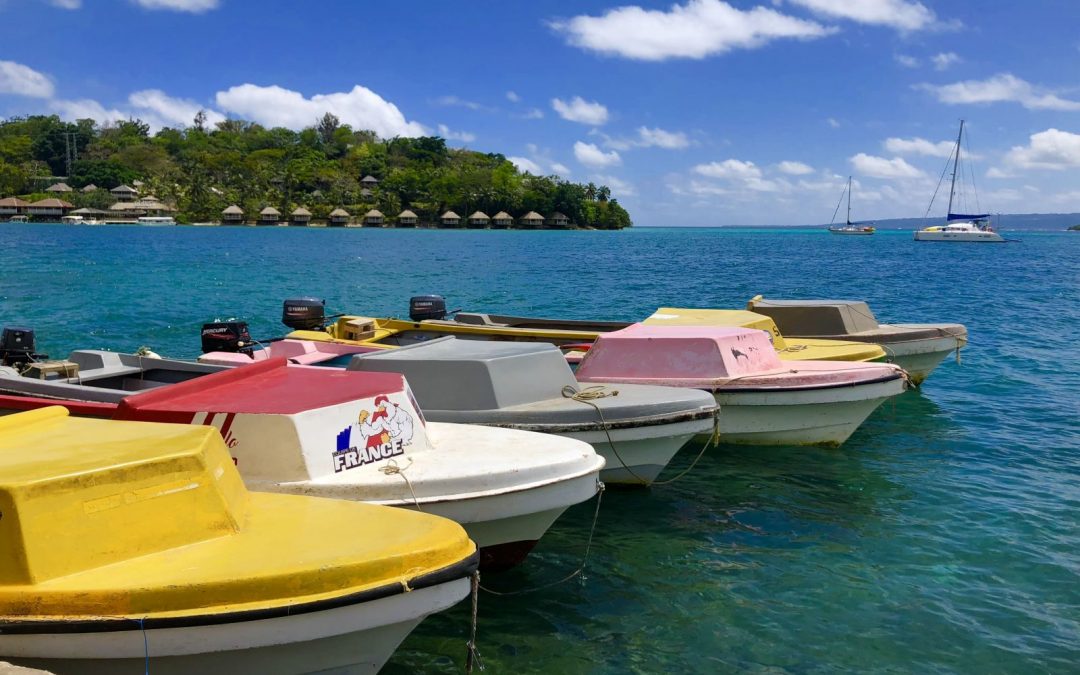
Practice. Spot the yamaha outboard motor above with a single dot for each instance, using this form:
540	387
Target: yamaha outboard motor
17	347
427	307
227	336
304	314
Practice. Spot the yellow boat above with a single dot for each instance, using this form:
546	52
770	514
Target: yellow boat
374	333
128	545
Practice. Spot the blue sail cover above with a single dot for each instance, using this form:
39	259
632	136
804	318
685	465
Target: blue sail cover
967	216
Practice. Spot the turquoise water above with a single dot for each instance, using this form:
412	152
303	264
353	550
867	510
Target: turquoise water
943	537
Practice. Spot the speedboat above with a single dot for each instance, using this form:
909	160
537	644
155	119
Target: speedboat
428	321
132	546
763	400
350	435
637	429
918	348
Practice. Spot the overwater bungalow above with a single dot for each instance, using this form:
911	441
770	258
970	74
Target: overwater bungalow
338	218
450	219
479	219
59	188
48	208
232	215
406	219
88	188
269	216
373	218
124	193
531	219
10	206
300	216
558	220
502	219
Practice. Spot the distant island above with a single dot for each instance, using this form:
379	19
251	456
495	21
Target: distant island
238	172
1075	228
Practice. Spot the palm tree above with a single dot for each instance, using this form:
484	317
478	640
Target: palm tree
603	193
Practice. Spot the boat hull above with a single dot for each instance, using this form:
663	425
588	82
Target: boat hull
970	237
356	638
637	455
826	416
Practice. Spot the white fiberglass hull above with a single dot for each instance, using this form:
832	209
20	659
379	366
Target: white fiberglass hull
823	416
983	237
357	638
920	357
637	455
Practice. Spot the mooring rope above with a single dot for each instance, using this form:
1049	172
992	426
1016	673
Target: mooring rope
579	572
472	655
391	468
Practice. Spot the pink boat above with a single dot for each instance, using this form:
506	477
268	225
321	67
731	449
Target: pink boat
763	400
304	352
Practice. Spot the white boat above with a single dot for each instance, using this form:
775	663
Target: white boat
19	219
850	227
637	429
349	435
959	227
156	220
71	220
918	348
763	400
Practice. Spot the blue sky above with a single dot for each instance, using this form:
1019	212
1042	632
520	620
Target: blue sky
696	113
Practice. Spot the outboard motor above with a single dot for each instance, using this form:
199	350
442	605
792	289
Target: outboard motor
304	314
227	336
17	347
423	307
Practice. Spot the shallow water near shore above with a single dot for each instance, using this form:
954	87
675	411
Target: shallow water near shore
943	537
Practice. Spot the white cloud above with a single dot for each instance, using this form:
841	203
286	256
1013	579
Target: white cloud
87	109
450	135
918	146
833	122
193	6
457	101
1050	149
560	169
698	29
1000	88
525	164
174	112
619	187
533	114
15	78
879	167
943	60
276	106
580	110
900	14
513	97
906	61
794	168
649	138
66	4
592	156
729	169
995	172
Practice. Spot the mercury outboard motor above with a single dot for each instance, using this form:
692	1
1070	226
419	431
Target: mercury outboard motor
304	313
227	336
17	347
423	307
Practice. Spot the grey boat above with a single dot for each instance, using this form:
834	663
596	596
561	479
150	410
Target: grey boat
99	376
637	428
918	348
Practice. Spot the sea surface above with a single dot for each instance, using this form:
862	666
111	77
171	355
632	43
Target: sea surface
943	537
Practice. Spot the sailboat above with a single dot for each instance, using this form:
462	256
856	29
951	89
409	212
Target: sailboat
959	226
850	227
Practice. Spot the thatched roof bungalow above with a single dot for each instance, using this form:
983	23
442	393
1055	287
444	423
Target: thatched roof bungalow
502	219
369	182
558	220
59	187
269	216
49	207
339	218
374	218
232	215
479	219
531	219
300	216
406	219
89	188
12	205
124	193
450	219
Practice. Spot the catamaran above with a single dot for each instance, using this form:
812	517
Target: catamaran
850	227
959	226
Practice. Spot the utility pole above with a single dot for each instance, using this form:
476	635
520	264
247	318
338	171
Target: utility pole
71	150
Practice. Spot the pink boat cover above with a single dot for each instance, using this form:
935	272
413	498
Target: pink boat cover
270	387
708	357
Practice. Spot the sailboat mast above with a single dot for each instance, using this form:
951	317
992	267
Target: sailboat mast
849	200
956	160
